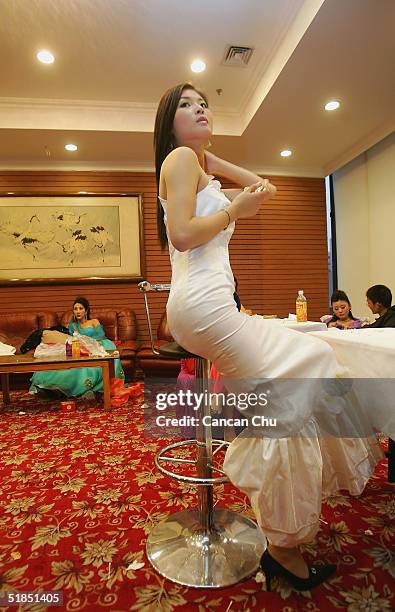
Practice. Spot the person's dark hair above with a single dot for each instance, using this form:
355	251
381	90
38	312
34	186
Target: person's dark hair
164	141
84	302
340	296
380	294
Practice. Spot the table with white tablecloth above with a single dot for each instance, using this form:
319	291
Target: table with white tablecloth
305	326
366	354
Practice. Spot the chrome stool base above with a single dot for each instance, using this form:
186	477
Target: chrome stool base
183	552
200	547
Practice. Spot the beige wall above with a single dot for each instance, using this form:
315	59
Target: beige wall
364	193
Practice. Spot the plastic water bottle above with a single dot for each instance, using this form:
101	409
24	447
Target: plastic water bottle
301	307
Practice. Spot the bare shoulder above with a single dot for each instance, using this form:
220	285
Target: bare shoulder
181	156
94	322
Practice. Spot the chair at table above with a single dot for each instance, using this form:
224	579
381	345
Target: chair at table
203	546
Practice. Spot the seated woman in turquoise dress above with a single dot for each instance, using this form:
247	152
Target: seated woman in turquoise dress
78	381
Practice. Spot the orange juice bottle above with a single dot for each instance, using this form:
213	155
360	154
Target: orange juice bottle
301	307
75	349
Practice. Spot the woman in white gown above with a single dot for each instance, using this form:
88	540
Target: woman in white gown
284	477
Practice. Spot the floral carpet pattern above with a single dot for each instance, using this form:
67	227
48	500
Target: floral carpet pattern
80	492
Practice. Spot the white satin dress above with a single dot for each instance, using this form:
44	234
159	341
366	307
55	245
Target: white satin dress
287	478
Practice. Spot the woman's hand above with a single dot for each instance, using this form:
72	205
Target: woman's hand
263	185
248	202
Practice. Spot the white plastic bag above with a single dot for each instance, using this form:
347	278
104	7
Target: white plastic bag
91	345
50	350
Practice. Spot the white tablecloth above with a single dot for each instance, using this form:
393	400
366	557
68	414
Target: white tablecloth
308	326
366	353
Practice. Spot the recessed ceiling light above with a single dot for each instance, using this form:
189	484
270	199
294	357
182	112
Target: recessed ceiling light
45	57
198	65
82	192
71	147
286	153
10	192
332	105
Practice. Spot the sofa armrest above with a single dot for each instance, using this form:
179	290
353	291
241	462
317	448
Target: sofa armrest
128	347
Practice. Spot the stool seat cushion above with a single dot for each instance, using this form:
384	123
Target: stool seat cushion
174	351
165	362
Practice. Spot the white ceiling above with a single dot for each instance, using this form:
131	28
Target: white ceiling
114	59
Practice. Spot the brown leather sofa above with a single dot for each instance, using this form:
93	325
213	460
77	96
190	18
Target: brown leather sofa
158	365
119	326
16	327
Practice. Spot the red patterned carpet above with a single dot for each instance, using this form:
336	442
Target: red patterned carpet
79	493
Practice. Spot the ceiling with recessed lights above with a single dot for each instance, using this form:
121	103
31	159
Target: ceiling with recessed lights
114	59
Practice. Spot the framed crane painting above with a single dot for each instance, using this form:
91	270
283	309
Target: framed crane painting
64	239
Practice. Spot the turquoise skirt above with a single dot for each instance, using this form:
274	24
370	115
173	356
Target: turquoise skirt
76	381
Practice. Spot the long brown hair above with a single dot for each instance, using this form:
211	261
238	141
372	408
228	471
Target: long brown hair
164	141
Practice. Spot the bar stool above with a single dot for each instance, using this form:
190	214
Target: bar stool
203	546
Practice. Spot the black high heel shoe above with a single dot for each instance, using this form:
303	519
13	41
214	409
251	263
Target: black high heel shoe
317	573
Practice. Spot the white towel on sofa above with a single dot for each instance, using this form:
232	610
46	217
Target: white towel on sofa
7	349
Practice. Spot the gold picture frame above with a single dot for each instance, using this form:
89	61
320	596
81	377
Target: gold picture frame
63	239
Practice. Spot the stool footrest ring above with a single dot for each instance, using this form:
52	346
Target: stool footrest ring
177	460
162	457
224	443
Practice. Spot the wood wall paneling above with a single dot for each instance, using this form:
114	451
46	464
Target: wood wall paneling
281	250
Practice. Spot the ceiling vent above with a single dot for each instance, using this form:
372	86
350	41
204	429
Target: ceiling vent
237	56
